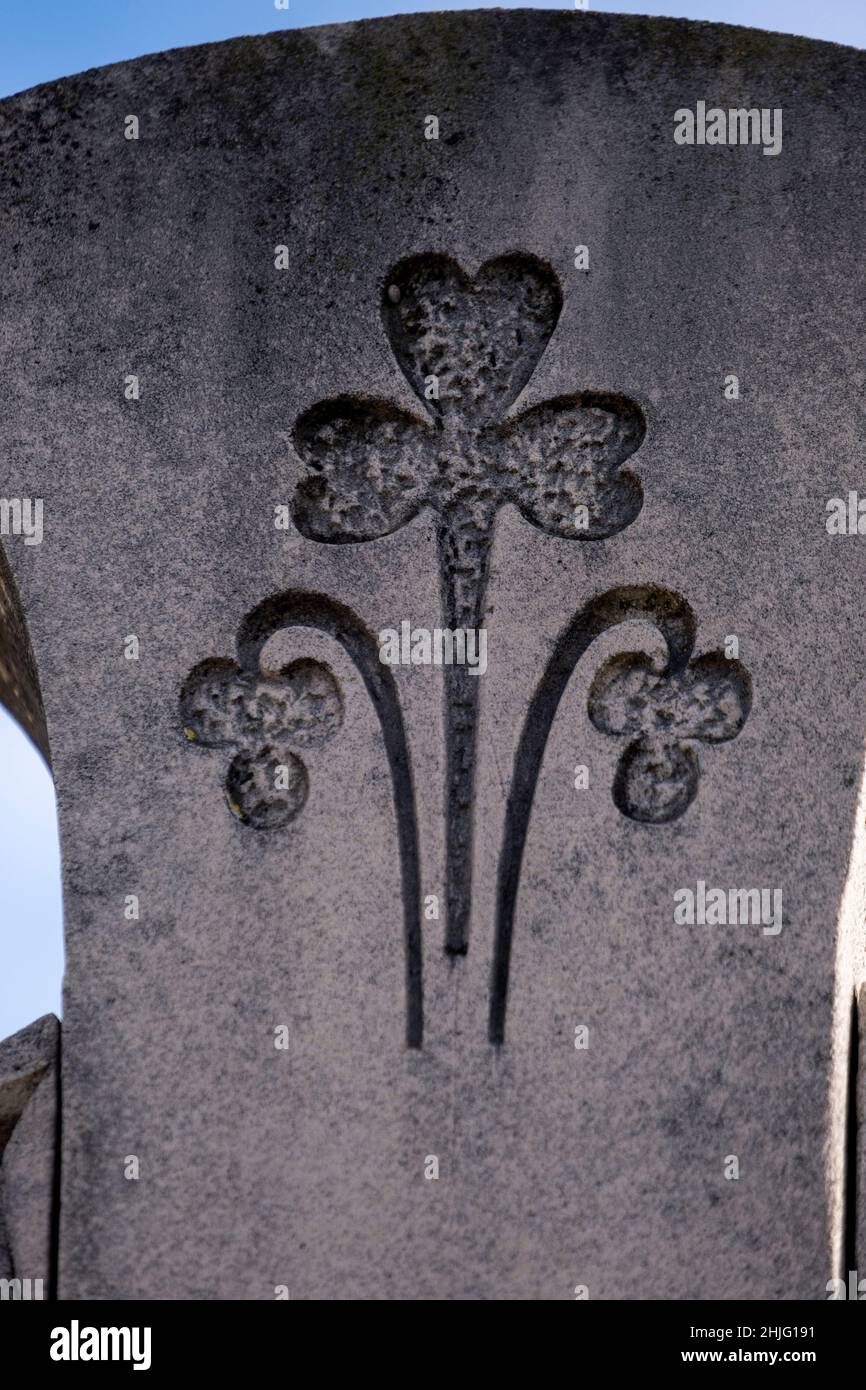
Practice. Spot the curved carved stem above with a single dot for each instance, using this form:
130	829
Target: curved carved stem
674	619
300	609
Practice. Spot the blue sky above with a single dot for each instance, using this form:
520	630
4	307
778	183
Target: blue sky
31	955
44	39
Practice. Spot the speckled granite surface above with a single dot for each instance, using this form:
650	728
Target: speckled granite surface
269	1033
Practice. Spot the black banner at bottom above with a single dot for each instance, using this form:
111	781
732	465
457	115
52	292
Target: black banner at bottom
159	1339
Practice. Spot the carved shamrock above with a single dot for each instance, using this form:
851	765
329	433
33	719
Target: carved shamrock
665	713
264	717
467	348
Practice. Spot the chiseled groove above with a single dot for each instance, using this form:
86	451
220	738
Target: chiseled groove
675	620
298	608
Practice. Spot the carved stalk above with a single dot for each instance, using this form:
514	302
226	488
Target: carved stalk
464	550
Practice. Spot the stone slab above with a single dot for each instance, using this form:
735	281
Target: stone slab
258	1169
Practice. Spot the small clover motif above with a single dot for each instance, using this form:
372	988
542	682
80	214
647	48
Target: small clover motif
665	713
264	718
663	706
467	348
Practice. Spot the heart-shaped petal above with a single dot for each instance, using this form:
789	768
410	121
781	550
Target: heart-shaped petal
655	780
310	704
468	347
212	703
621	697
368	471
568	454
718	693
267	788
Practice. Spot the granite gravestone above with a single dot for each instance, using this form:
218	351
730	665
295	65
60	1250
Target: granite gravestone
517	969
